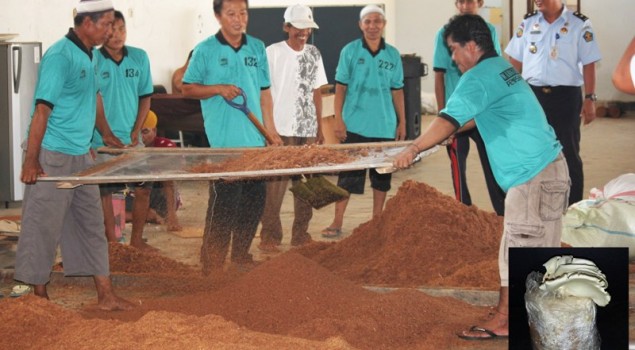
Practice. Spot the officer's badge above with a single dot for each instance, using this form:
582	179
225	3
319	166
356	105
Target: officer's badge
564	30
588	36
519	32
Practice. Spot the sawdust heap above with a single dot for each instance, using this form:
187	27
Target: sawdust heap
130	260
286	157
292	295
34	323
423	237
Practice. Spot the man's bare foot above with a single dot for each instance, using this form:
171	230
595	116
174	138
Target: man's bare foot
144	247
154	218
40	291
114	303
174	226
496	327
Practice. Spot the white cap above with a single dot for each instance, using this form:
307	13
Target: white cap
90	6
367	10
300	16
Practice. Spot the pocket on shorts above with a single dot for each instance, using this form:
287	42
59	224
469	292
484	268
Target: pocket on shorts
554	198
520	235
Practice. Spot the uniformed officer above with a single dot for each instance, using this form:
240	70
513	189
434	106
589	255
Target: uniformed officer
547	48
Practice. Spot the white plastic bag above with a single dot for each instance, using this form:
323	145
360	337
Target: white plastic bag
606	220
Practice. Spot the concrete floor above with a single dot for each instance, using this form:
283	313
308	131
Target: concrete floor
607	146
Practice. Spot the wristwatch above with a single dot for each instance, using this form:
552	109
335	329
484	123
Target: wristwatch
593	97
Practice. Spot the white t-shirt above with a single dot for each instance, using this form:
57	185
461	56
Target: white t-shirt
294	76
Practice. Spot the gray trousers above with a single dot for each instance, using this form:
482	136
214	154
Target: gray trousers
72	218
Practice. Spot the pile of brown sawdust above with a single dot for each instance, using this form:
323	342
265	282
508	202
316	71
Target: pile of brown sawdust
34	323
130	260
423	237
291	301
287	157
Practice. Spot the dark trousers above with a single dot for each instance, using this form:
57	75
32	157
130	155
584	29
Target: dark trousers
233	213
458	151
562	105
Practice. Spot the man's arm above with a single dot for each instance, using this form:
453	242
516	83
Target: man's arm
338	106
517	64
104	129
142	113
622	76
31	168
201	92
400	109
317	101
439	130
177	78
439	90
266	106
588	105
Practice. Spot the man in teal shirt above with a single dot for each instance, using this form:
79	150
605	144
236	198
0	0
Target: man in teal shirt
58	144
446	77
369	106
523	150
125	85
221	66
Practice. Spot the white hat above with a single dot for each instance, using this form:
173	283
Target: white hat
300	16
367	10
90	6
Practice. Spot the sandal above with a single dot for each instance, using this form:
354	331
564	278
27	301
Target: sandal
331	232
20	290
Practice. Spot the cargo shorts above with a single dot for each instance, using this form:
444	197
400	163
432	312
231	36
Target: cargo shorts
533	213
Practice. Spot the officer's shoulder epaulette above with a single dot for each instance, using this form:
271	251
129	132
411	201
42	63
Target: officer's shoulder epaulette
581	16
531	14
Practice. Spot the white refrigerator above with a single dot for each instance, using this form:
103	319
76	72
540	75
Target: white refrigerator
19	62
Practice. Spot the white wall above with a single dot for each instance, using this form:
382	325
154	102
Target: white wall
168	29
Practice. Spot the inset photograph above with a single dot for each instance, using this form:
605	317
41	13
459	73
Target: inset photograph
568	298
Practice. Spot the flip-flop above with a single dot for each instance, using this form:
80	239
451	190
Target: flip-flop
20	290
331	232
476	329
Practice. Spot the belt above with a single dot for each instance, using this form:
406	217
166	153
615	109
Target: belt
550	89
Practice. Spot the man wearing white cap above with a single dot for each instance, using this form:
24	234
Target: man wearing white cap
58	144
369	106
297	73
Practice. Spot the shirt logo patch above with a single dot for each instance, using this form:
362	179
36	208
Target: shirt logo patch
223	62
511	76
105	75
361	61
82	74
588	36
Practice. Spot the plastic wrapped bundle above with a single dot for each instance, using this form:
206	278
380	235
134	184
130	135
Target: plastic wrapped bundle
561	304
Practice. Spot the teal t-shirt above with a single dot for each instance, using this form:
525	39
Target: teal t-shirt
66	83
442	60
122	84
370	78
215	62
519	141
